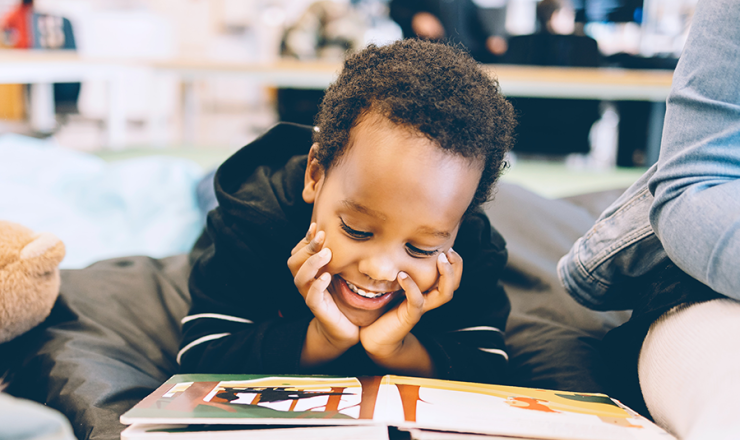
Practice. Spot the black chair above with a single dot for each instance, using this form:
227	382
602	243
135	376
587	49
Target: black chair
554	126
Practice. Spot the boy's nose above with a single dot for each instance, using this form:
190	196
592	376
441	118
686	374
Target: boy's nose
379	268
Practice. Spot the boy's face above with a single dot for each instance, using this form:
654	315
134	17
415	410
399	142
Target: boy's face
392	203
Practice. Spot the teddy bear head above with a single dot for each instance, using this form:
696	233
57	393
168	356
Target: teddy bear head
29	277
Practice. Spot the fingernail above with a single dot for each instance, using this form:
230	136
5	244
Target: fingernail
309	233
325	276
325	252
319	237
402	275
443	258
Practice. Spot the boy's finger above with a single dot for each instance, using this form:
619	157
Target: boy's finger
448	280
313	264
315	295
306	240
315	244
457	266
413	295
312	246
303	252
308	271
311	232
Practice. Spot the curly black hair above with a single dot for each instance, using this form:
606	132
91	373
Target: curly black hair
432	88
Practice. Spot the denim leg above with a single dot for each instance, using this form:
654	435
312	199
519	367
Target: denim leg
620	246
696	213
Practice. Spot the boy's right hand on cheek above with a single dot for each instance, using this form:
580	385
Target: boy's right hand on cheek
308	259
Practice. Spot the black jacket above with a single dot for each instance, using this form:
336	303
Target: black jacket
247	315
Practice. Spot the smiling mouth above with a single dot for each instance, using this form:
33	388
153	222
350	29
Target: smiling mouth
364	293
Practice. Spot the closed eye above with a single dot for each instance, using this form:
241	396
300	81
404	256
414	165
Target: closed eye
354	233
420	253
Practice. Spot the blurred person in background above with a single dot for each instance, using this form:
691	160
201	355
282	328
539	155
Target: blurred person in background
16	26
554	127
456	21
555	43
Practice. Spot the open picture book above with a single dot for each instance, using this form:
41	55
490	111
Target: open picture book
222	406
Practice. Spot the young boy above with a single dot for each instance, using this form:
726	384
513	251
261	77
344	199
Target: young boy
408	142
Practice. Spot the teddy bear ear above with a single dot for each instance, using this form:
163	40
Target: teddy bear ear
40	245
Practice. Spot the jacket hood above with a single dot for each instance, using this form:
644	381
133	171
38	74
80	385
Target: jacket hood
262	183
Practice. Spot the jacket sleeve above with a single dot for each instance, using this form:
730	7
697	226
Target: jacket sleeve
245	316
696	213
465	337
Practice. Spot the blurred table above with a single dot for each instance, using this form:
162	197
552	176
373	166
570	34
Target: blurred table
583	83
521	81
42	68
516	81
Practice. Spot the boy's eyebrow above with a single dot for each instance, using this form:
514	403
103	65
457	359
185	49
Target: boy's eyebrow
429	231
363	209
426	230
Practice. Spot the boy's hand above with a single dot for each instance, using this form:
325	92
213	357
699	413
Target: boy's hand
330	333
386	338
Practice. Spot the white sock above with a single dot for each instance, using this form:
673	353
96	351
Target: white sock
689	370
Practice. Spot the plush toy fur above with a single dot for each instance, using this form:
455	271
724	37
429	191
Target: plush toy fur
29	278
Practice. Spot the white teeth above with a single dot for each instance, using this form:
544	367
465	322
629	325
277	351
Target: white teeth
361	292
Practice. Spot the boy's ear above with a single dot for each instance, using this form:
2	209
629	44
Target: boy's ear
314	177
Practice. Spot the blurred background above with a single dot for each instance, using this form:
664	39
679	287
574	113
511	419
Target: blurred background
229	111
91	84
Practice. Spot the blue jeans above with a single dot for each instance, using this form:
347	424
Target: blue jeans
619	247
687	206
696	213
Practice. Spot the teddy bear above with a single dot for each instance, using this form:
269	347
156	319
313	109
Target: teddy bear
29	286
29	277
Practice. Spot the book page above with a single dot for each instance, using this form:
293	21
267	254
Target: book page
403	402
512	411
314	400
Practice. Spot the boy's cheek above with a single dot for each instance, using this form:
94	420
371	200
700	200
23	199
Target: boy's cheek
337	253
426	277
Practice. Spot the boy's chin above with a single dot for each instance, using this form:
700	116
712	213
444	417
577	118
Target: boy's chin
362	318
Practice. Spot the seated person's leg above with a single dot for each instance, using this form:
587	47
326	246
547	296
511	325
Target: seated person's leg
689	370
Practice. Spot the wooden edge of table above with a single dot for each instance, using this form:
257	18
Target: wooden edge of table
503	72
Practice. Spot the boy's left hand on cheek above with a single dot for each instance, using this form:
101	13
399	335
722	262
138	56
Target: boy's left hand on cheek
386	336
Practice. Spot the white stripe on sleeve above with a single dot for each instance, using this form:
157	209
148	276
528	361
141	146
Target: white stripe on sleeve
495	351
479	328
215	316
199	341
